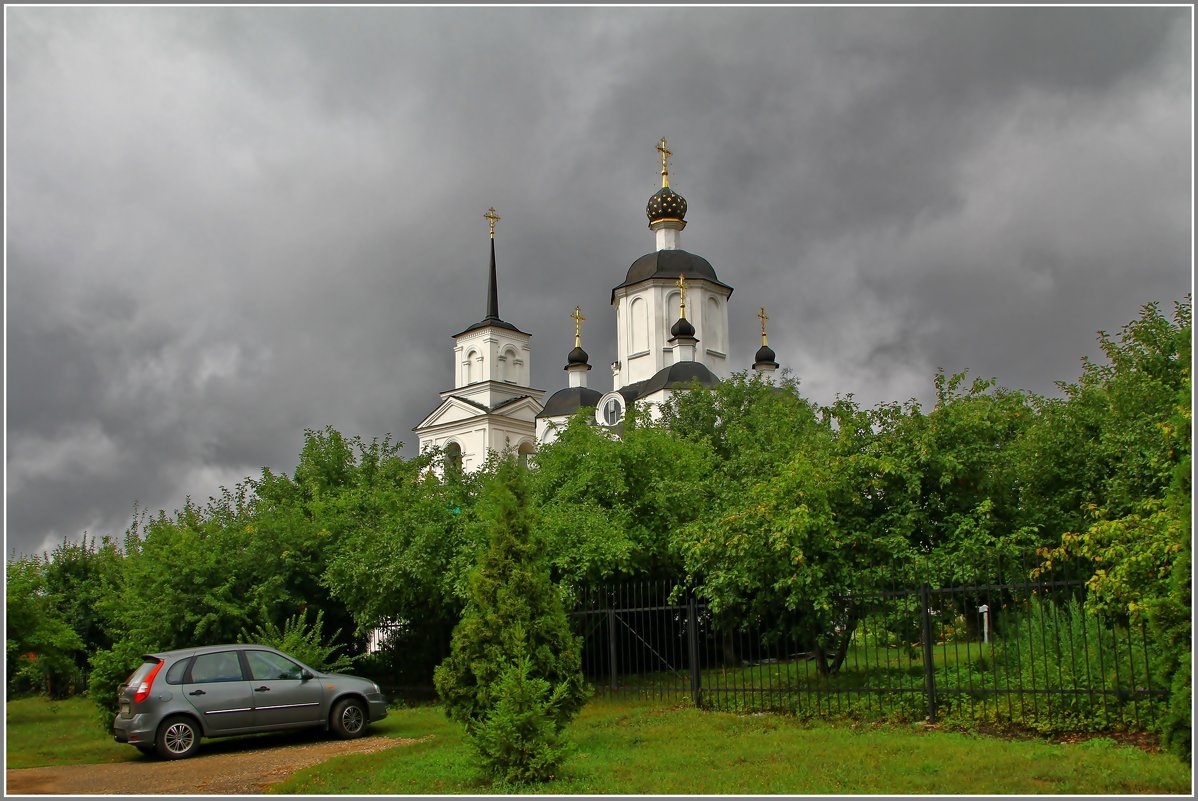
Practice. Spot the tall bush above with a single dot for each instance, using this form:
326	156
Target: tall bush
514	674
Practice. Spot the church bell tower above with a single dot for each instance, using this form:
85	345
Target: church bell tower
491	406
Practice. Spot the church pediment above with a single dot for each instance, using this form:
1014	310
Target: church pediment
455	410
452	410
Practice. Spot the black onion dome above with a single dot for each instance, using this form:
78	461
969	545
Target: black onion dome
671	264
682	328
666	204
766	357
577	356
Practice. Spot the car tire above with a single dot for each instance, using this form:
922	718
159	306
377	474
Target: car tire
178	738
348	719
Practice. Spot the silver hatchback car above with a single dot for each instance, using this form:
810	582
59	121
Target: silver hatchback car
175	698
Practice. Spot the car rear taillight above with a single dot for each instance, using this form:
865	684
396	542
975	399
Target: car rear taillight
143	689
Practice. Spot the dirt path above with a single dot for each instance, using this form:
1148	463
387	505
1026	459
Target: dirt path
222	767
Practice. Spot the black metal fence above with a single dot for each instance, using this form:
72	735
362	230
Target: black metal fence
1012	652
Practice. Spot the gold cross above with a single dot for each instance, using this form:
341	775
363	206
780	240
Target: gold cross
493	217
665	152
577	318
761	315
682	294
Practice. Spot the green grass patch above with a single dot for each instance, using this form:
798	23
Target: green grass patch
635	748
40	732
643	748
44	733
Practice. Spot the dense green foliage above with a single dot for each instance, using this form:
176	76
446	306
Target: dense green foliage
40	643
513	676
769	501
1135	538
303	640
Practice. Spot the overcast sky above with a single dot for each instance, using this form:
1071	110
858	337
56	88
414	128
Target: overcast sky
227	225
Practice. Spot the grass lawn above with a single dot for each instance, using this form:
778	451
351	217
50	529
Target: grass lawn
39	732
636	748
641	749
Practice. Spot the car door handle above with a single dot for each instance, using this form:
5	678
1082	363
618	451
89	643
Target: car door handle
197	692
262	689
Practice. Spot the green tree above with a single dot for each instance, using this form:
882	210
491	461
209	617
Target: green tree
514	663
1136	539
409	540
40	644
80	575
802	541
609	506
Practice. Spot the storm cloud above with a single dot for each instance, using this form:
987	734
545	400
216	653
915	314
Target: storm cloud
227	225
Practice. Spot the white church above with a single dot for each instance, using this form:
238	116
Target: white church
671	330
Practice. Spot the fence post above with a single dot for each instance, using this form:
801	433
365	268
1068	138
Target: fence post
692	644
611	645
929	671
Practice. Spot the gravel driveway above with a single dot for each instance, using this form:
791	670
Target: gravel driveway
222	767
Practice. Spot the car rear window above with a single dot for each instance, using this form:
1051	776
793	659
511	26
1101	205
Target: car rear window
175	674
142	671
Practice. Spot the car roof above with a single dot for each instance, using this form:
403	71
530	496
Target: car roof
208	649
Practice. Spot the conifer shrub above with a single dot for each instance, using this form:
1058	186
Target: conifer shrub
519	740
513	677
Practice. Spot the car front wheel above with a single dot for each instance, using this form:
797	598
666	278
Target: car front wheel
178	738
348	719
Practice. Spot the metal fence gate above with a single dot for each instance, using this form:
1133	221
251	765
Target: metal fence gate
1016	652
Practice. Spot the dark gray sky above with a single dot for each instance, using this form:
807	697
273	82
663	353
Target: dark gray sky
226	225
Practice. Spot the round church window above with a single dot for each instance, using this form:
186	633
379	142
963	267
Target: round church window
613	411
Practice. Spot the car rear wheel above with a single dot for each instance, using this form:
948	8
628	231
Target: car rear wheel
348	719
178	738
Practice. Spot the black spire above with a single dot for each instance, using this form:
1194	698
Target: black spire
492	317
492	292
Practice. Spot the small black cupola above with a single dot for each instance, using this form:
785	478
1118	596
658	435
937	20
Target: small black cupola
765	360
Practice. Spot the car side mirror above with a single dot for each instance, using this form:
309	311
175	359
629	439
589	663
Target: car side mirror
306	674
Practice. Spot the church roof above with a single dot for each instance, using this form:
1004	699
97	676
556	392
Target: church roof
567	401
493	322
670	264
679	376
674	376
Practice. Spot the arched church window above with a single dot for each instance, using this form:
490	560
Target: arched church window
524	451
507	366
468	371
713	326
639	311
453	457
